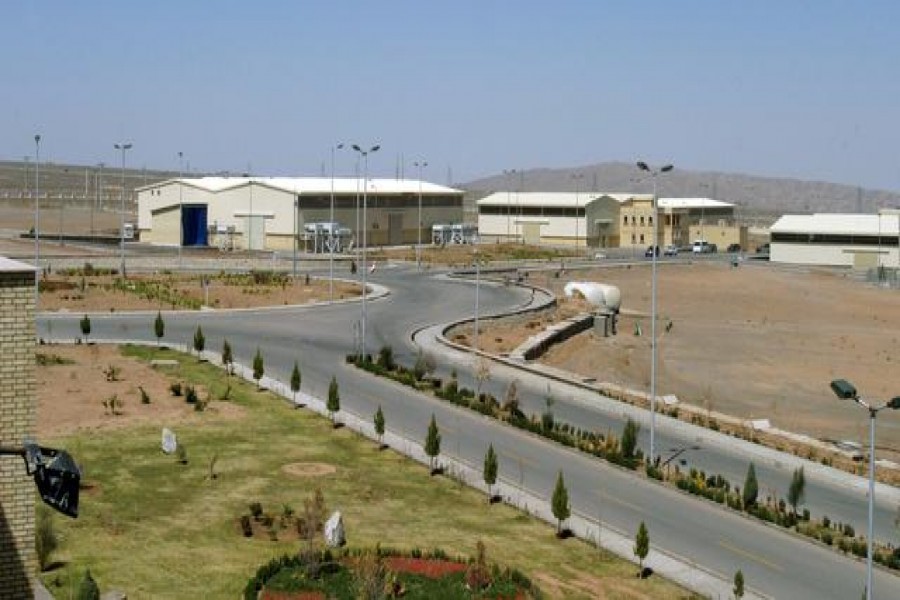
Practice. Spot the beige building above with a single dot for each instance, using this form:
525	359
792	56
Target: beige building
18	561
850	240
605	220
266	213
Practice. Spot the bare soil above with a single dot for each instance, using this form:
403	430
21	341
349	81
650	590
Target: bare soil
70	396
757	341
308	469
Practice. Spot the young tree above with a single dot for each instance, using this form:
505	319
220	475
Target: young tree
629	438
227	357
379	425
751	487
433	442
199	341
490	470
159	327
547	419
258	368
295	380
334	399
482	374
560	503
85	327
797	489
642	546
738	584
420	368
87	589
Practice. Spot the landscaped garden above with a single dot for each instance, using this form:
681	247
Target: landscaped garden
162	525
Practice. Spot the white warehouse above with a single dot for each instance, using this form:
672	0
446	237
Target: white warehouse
269	213
851	240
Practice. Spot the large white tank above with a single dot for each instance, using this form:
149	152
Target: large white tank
601	295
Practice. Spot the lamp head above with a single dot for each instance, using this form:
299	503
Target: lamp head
894	403
642	166
356	147
339	146
37	139
375	148
666	169
843	389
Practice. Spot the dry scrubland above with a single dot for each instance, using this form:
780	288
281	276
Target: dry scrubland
758	341
154	528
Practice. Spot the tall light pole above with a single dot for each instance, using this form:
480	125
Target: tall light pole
845	390
331	230
509	173
123	147
180	205
577	177
37	218
421	164
477	290
653	173
365	156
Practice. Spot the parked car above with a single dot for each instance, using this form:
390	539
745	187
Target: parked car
649	252
703	247
671	250
734	248
764	249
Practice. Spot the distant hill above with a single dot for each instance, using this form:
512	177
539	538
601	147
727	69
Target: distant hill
758	198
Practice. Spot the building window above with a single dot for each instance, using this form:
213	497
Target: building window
625	220
650	220
632	238
642	238
642	220
633	219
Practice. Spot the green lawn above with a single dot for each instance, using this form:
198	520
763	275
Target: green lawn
153	528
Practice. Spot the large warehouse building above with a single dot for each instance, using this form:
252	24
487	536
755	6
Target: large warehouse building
265	213
851	240
605	220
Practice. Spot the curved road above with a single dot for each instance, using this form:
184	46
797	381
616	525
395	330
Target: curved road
774	562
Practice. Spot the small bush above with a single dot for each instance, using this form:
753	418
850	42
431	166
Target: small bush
190	395
256	510
175	388
87	589
246	527
145	397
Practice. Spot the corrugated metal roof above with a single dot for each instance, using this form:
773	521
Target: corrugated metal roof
849	224
569	199
314	185
548	198
693	203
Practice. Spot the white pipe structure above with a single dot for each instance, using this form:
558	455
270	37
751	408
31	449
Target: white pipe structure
653	350
37	219
845	390
365	155
421	164
123	147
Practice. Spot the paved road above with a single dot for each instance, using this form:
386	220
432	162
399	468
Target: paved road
773	562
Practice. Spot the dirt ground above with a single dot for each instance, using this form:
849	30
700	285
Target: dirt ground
70	396
77	293
757	341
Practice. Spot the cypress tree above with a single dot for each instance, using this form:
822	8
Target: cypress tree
642	545
560	503
751	487
490	470
433	442
258	368
379	425
334	399
295	380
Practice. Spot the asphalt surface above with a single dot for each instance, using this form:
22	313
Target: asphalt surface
774	562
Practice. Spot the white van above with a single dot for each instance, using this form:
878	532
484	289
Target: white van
703	247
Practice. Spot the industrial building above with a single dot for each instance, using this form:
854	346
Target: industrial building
605	220
852	240
269	213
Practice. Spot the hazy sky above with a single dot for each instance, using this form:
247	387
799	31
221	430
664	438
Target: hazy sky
807	89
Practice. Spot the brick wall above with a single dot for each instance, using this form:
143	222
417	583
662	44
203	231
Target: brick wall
17	421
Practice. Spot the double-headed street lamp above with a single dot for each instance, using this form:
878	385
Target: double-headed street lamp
420	164
123	146
654	173
331	230
845	390
37	218
365	156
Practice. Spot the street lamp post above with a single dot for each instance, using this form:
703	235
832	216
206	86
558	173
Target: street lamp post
477	290
365	156
37	218
180	205
654	173
331	230
845	390
509	173
421	164
577	177
123	146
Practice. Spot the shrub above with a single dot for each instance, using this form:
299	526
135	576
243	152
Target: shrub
87	589
46	540
190	395
246	527
175	388
849	531
145	397
256	510
386	358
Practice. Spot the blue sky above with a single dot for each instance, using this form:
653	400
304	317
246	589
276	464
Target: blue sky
805	89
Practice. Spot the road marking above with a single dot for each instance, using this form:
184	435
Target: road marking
631	505
517	459
751	556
